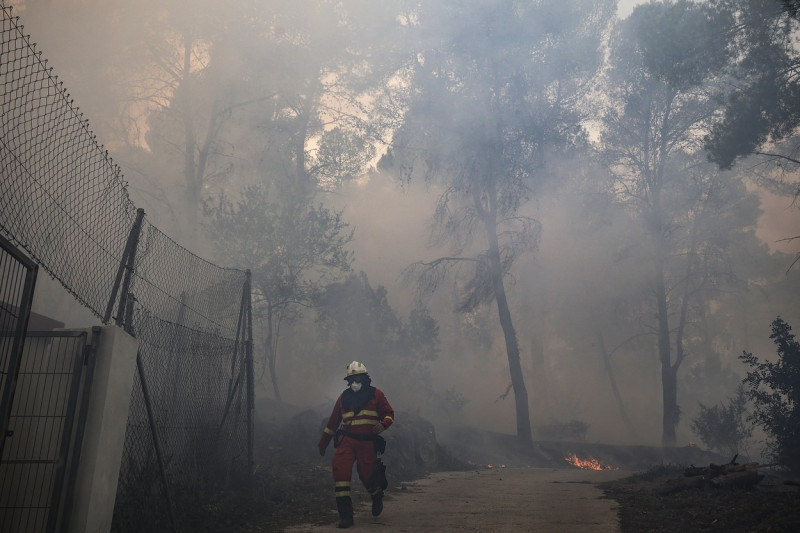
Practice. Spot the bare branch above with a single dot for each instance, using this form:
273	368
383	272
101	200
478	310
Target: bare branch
779	156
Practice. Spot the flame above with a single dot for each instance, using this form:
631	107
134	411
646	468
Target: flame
590	463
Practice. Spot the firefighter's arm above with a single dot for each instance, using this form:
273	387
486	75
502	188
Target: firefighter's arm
385	412
330	428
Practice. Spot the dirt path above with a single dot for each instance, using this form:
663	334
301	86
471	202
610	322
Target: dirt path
494	500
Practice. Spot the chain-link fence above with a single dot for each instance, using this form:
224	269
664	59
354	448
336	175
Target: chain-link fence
64	202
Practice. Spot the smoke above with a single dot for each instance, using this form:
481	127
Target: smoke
576	300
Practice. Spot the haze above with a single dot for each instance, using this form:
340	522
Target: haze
250	82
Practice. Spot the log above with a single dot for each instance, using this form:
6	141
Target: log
713	470
744	479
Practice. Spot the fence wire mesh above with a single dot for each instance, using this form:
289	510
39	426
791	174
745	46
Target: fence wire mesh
64	201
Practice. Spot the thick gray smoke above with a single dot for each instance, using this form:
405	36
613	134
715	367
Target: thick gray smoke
581	301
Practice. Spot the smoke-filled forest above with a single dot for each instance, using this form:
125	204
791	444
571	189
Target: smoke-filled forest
521	216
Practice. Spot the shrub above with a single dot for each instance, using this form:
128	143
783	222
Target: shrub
774	389
724	427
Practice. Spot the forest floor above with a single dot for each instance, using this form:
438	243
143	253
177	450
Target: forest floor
510	499
523	499
292	488
771	506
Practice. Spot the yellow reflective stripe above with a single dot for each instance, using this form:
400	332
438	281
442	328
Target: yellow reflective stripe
388	418
341	488
329	431
363	421
363	412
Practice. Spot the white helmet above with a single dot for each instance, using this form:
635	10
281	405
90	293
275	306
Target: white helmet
355	368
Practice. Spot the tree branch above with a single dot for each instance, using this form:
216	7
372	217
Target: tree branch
779	156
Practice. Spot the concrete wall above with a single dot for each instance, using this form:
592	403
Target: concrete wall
104	436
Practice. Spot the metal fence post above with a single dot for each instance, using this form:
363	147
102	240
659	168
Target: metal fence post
250	381
126	266
156	441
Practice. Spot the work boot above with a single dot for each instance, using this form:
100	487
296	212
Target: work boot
345	507
377	503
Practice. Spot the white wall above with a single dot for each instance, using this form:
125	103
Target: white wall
104	436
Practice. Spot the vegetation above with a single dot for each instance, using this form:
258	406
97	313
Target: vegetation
496	117
589	243
643	507
293	249
596	186
724	427
764	108
662	97
774	389
356	321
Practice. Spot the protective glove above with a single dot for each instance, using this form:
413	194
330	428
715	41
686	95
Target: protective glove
378	428
323	443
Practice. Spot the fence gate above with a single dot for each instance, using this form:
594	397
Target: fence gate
45	383
17	279
40	460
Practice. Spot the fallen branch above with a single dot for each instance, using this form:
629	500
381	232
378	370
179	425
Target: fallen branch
731	474
741	479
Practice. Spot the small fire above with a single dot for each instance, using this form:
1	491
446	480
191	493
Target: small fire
590	463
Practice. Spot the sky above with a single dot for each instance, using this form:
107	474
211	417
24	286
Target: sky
624	7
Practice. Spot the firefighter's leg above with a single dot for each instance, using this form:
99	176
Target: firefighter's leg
345	507
342	465
366	473
377	502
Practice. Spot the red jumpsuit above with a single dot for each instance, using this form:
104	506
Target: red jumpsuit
350	449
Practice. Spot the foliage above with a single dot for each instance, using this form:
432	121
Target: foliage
722	427
662	98
496	89
761	119
356	321
774	390
765	106
293	248
362	323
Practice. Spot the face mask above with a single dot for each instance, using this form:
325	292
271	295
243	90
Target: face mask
355	386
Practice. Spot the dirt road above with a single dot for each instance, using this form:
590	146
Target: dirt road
493	500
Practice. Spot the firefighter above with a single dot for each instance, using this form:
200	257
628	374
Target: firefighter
360	415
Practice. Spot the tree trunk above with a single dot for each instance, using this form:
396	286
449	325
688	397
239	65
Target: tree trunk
193	183
614	388
669	385
512	346
269	349
669	391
